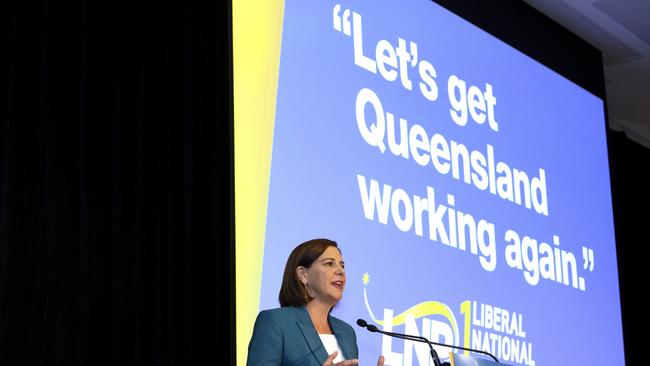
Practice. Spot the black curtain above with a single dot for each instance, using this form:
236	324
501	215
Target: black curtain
115	183
629	163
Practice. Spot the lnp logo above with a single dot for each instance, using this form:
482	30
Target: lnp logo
490	328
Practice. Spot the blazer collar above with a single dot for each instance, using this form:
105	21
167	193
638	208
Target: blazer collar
313	340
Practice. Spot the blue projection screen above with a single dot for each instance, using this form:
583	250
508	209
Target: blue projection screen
466	184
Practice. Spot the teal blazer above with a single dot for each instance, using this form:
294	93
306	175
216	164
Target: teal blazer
286	336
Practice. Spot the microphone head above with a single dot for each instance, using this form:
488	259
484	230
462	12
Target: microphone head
372	328
362	323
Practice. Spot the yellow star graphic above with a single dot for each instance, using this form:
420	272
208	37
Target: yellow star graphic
366	278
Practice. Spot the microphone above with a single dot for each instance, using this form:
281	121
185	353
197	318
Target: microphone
362	323
434	355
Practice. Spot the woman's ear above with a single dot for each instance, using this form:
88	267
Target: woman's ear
301	272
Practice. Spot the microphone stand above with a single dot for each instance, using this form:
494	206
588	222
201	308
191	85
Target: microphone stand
434	355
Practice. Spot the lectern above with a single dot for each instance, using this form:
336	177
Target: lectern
462	360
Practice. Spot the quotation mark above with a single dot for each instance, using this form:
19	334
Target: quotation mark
588	256
344	20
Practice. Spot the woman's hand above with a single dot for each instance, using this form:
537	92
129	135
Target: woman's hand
330	361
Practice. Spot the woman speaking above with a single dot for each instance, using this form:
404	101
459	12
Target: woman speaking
302	331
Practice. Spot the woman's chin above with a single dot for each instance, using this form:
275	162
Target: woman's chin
337	297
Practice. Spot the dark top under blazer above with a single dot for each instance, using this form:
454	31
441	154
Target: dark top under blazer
286	336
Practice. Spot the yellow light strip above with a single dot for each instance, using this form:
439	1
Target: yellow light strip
257	32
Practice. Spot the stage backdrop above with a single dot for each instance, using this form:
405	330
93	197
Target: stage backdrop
466	184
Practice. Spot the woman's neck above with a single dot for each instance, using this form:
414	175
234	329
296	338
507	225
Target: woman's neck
319	313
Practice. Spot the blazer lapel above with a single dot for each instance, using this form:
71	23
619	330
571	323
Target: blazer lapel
311	337
344	342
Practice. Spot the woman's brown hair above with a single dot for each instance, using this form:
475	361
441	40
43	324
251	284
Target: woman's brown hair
292	292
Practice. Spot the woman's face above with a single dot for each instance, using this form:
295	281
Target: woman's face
326	277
